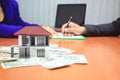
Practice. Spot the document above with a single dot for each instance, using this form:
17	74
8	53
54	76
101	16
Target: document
57	35
62	37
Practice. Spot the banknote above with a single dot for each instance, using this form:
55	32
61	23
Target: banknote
75	58
20	63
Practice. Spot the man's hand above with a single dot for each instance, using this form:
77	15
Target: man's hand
73	29
52	31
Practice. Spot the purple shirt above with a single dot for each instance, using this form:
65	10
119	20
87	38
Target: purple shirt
12	21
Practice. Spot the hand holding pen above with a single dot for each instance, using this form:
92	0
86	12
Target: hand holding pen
66	26
71	28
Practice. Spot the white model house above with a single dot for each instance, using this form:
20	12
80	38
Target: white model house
33	41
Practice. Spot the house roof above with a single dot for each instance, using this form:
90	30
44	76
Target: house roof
33	31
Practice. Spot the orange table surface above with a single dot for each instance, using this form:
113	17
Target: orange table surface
102	53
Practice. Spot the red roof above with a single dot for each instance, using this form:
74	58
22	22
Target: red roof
33	31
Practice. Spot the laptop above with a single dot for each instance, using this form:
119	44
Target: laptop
65	11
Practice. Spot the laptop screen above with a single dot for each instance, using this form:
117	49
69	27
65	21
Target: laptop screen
65	11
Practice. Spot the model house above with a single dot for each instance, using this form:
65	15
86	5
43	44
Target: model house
33	41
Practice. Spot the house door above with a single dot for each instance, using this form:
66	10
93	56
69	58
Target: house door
24	53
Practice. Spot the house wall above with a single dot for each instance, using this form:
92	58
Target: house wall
20	40
33	51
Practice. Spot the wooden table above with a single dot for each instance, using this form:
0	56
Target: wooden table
102	53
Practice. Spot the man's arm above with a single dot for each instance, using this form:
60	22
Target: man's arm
110	29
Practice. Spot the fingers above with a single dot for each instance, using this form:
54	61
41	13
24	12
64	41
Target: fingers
72	29
69	30
53	32
65	31
63	28
71	25
68	34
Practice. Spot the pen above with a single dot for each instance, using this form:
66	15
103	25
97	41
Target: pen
69	21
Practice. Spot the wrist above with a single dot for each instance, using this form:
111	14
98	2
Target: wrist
83	30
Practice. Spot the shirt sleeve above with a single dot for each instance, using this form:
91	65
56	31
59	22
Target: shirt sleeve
19	20
7	31
13	21
109	29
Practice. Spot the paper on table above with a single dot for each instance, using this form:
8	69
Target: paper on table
75	58
63	61
20	63
6	59
53	63
62	37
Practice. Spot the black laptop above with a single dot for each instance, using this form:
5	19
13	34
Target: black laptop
65	11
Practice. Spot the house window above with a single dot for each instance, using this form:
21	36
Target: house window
32	39
24	40
41	41
47	40
40	52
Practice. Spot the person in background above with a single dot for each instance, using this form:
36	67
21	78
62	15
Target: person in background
10	20
108	29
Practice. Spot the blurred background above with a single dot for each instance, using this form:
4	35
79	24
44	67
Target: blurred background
44	11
